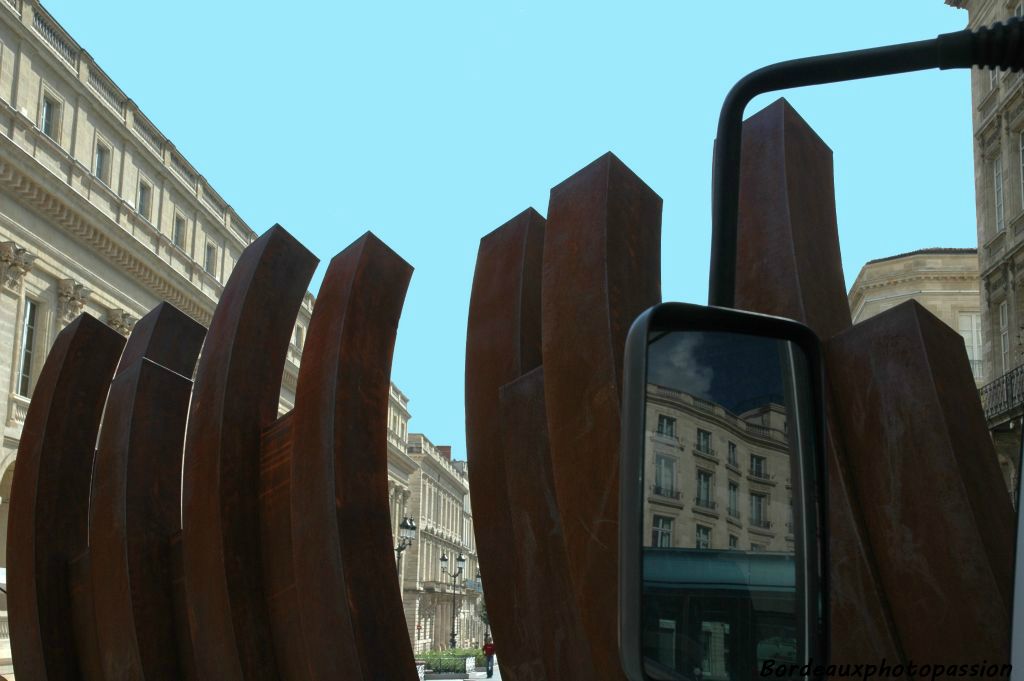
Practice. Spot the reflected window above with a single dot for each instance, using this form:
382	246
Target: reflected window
734	541
703	537
661	533
758	466
666	426
734	500
733	456
704	484
754	546
759	510
703	443
665	476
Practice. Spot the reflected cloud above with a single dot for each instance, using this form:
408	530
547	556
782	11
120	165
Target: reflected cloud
674	364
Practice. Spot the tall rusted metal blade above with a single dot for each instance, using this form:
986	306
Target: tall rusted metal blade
345	574
136	497
235	398
50	496
924	468
502	343
602	256
536	528
789	265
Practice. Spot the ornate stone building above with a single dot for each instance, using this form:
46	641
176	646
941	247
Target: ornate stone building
100	213
440	498
943	280
997	108
714	479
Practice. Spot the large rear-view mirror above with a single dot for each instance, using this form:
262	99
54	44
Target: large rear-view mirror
723	570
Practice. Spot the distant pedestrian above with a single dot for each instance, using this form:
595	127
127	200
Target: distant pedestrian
489	652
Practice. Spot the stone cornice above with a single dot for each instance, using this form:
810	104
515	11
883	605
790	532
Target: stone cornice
81	219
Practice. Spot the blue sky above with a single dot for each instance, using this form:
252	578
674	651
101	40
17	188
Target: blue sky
433	123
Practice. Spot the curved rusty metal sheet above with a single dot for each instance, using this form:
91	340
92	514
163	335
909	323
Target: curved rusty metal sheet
50	496
789	265
136	497
536	528
235	398
602	256
345	574
502	343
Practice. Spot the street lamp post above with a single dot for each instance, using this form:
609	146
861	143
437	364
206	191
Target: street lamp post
454	578
406	536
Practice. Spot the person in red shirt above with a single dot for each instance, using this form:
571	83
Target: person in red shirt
489	652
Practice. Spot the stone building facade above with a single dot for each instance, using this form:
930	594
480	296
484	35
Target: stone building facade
997	108
100	213
440	499
714	479
943	280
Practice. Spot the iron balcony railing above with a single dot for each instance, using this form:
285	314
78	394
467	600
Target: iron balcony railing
704	503
1003	394
668	492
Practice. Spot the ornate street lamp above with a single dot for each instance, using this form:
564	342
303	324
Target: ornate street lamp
453	577
406	536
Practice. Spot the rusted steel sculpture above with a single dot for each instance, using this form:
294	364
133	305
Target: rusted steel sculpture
135	506
50	497
916	518
925	470
602	256
502	343
536	528
345	575
789	265
235	398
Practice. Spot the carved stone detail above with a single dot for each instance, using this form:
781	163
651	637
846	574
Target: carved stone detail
71	297
121	321
15	262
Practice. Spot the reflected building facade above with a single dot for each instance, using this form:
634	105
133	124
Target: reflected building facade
715	479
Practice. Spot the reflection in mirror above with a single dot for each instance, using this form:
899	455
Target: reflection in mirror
721	592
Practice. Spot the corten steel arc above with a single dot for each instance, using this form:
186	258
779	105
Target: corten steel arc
502	343
345	574
933	498
235	398
50	496
790	266
602	255
135	502
536	532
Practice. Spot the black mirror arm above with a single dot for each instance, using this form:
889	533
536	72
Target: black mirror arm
998	46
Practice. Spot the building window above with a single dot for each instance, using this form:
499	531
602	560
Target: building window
1018	11
734	500
733	458
734	541
145	199
666	425
704	487
703	537
661	534
101	168
179	231
28	344
298	337
970	329
997	191
756	547
665	476
758	466
1004	335
210	263
703	441
993	79
50	118
759	510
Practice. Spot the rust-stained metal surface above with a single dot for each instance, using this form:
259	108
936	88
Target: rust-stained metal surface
536	533
135	506
276	544
502	343
235	398
931	491
602	256
83	616
341	525
50	497
788	264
